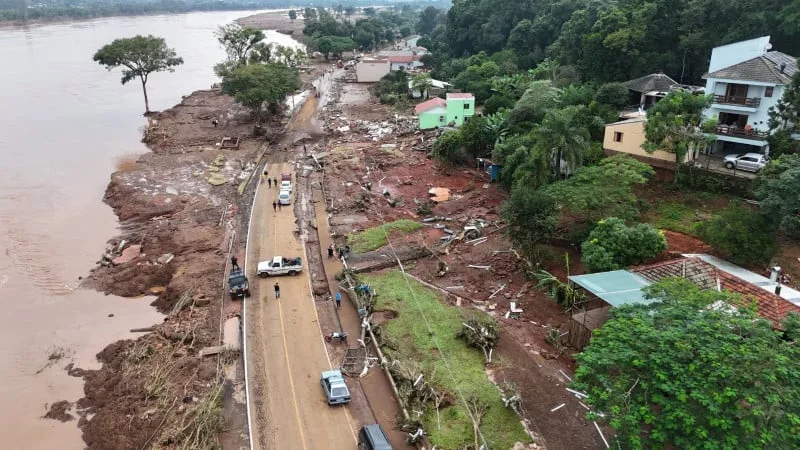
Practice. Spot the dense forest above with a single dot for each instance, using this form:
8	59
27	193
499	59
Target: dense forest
612	40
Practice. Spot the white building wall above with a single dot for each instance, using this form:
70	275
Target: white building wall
728	55
757	117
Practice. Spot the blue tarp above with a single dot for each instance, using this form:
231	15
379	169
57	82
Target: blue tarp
617	288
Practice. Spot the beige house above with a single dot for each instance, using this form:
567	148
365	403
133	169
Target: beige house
372	70
627	136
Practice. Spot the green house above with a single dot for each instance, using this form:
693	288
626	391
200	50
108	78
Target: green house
437	112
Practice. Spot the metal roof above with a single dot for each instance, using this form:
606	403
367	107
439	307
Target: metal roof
616	288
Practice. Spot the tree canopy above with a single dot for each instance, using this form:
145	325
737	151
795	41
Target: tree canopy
531	217
602	190
252	85
778	190
139	56
695	369
612	245
673	124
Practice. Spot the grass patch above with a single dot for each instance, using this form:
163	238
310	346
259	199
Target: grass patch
500	426
679	217
375	237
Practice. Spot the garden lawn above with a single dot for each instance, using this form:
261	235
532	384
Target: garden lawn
375	237
409	335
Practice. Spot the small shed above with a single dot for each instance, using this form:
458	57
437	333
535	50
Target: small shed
490	168
616	288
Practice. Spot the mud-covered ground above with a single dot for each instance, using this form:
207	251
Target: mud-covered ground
181	216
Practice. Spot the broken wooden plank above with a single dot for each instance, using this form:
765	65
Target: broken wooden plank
479	267
498	290
558	407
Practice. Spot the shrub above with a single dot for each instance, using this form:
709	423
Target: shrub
613	245
449	148
742	235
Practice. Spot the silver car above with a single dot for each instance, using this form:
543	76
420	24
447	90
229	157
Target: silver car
749	161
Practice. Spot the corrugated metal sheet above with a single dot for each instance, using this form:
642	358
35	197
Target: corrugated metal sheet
616	288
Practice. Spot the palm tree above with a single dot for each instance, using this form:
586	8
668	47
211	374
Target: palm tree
422	82
562	138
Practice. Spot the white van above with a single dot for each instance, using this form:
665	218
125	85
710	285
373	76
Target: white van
286	185
285	197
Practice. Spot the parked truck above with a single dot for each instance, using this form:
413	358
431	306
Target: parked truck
279	266
237	284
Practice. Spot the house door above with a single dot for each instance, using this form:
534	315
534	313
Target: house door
737	91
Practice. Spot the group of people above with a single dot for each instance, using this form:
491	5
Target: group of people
341	253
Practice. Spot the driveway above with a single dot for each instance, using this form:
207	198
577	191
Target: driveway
714	164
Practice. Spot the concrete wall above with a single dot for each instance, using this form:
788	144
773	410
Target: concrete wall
432	118
456	111
633	137
370	72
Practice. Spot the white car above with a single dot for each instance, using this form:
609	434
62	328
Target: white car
286	185
285	198
749	161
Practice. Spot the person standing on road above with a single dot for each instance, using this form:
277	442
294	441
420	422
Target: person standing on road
280	206
330	251
274	206
275	182
338	300
277	291
269	182
234	263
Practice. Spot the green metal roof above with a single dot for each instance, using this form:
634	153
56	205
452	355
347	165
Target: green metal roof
617	288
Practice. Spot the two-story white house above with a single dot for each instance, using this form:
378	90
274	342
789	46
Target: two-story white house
745	79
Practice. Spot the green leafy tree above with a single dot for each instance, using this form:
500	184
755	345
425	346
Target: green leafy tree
614	95
253	85
139	57
334	44
531	217
309	14
778	192
673	124
369	11
562	141
744	236
292	14
531	108
422	83
449	148
349	11
478	138
428	19
695	369
238	41
612	245
603	190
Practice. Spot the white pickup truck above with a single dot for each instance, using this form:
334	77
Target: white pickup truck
279	266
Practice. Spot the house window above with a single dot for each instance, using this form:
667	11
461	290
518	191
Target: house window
441	118
466	105
617	136
768	91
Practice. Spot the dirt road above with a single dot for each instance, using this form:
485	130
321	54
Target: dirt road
286	344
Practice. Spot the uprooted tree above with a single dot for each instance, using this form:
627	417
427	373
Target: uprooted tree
481	333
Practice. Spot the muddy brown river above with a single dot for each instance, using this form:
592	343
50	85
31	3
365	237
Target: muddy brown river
65	125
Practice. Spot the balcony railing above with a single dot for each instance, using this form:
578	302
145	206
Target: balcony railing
751	102
734	131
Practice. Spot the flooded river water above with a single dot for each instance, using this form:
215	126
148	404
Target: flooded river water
65	125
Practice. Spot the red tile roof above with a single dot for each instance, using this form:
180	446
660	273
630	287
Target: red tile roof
460	95
403	59
430	104
770	306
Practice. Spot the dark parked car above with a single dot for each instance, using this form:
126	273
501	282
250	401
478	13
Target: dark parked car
372	437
